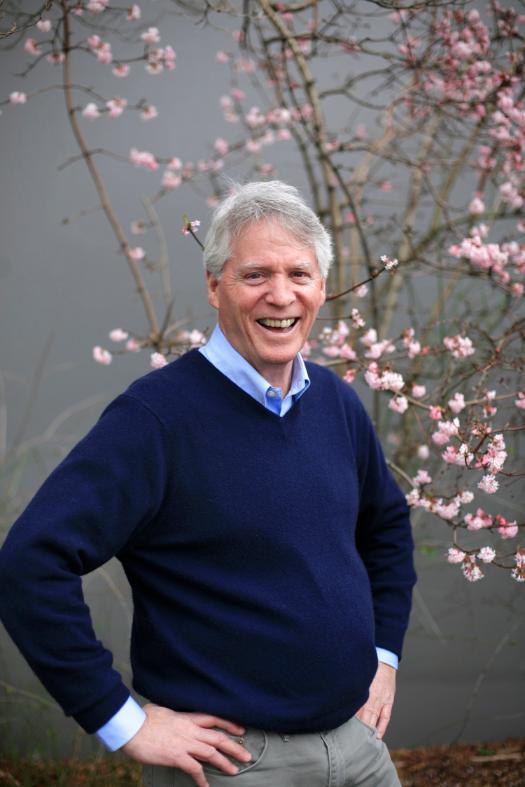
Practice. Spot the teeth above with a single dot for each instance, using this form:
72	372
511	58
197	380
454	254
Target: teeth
277	323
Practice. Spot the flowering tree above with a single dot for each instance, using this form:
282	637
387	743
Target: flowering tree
413	154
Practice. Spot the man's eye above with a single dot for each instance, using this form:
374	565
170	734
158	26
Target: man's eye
300	274
253	276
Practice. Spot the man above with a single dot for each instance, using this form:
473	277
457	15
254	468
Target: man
266	544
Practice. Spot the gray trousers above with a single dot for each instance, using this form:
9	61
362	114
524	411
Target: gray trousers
347	756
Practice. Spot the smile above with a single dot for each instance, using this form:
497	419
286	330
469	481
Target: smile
266	322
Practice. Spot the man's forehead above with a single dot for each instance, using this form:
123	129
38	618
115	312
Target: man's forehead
255	262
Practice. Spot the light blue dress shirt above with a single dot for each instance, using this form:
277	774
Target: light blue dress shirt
219	352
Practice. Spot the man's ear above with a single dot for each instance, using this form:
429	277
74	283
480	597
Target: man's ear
212	283
323	290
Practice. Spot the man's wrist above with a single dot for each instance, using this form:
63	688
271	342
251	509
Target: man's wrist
123	726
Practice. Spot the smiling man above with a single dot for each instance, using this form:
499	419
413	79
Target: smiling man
267	545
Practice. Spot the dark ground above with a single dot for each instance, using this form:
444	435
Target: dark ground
460	765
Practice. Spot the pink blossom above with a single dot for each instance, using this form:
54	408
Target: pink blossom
97	6
471	570
132	346
495	455
509	193
459	346
423	452
175	164
17	97
332	351
452	456
170	180
520	401
457	403
151	36
221	146
136	253
446	510
255	118
349	375
55	57
357	319
142	158
31	46
477	206
194	224
422	477
253	146
478	520
399	404
133	13
121	70
446	430
361	291
383	381
44	25
347	352
486	554
169	57
91	111
435	412
517	289
157	361
149	112
104	54
466	496
488	484
506	529
116	106
222	57
389	263
118	335
100	355
154	67
195	337
245	64
455	555
418	391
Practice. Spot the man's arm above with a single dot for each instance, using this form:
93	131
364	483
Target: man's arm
384	541
109	488
111	484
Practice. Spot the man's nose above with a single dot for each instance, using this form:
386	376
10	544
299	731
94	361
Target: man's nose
280	291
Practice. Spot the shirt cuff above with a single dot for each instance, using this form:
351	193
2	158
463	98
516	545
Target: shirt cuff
122	726
387	657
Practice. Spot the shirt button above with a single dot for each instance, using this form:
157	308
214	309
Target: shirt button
271	394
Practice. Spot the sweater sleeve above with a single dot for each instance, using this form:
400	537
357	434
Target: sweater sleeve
111	484
383	536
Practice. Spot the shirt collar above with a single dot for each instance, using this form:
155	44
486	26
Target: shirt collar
227	360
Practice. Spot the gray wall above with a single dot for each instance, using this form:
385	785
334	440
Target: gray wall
62	288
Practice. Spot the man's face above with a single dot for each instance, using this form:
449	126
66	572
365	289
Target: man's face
268	296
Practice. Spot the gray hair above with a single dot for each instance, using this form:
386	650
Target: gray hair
263	200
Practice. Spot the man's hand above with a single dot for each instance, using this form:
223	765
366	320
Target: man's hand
378	708
184	740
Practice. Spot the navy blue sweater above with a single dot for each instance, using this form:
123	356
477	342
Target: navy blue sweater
267	556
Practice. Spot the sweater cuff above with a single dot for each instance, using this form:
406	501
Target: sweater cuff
123	726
